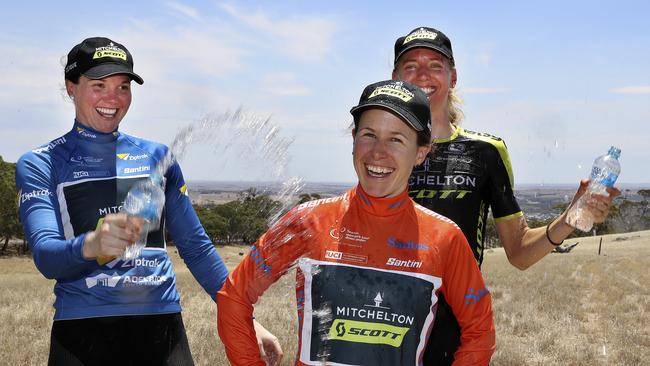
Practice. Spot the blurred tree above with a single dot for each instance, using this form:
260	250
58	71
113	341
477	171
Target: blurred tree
241	221
9	222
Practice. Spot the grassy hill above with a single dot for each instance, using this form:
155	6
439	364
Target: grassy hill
579	308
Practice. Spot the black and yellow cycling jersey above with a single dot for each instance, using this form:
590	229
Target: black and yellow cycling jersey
464	176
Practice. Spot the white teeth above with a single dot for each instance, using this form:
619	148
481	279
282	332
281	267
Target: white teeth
106	111
428	90
378	169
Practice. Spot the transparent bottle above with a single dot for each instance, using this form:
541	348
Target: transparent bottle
604	173
146	200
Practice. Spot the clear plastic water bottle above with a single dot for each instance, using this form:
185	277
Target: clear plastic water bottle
604	173
146	200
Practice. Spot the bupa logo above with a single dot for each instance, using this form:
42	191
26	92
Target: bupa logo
129	157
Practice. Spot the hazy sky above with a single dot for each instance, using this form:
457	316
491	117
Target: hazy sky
560	81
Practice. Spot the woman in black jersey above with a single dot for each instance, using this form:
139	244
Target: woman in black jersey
468	173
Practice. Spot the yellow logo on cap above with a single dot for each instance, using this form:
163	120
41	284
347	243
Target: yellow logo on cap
110	51
393	91
420	34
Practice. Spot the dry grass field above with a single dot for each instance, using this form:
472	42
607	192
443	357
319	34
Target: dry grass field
570	309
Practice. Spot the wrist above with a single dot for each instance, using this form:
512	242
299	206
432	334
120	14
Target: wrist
88	245
552	229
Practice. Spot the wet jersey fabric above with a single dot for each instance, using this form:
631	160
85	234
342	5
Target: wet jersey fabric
369	272
463	177
68	185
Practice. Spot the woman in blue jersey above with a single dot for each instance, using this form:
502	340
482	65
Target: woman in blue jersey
468	173
71	194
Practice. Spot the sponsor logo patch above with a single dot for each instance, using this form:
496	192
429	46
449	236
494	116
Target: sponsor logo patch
367	332
129	157
420	34
398	244
332	254
24	197
50	146
393	90
403	263
344	233
140	169
103	280
472	297
80	174
85	133
109	51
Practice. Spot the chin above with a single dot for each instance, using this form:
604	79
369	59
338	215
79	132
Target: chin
378	192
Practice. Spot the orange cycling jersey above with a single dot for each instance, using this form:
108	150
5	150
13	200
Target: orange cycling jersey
369	272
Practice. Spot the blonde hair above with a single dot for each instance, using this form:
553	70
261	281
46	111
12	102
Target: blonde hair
454	102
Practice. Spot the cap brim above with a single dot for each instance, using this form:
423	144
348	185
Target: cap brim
109	69
425	45
406	116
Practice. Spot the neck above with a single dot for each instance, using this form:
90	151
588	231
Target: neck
441	128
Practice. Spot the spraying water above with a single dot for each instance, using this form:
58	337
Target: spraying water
251	135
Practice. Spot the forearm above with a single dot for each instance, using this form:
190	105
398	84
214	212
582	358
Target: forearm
235	326
61	259
526	246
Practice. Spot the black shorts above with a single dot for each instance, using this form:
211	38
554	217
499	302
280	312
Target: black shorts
445	337
120	340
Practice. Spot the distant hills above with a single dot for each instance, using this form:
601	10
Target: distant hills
536	200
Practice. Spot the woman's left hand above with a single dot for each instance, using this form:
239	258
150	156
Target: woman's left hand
270	349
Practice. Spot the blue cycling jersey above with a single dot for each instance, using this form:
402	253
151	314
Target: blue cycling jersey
68	185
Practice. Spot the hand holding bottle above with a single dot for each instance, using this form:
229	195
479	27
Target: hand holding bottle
145	200
593	205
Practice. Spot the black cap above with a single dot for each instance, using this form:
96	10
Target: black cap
406	100
424	37
99	57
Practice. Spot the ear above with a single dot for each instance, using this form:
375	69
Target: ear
454	77
422	154
69	88
394	74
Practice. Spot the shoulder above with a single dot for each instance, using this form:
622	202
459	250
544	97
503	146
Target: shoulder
490	140
47	153
432	217
325	203
137	145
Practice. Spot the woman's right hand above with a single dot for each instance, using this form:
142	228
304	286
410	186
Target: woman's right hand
112	236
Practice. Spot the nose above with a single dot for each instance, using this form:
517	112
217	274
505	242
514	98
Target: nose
423	73
379	150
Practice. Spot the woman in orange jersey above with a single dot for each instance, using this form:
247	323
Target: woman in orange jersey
371	263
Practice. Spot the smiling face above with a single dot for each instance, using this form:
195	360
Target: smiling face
384	152
101	104
432	72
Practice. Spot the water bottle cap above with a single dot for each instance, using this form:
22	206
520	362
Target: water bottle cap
614	151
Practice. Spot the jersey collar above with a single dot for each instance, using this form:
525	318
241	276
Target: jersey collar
382	206
86	133
457	131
